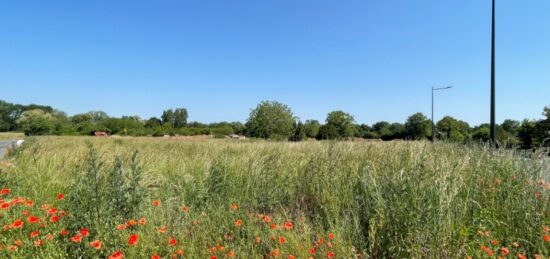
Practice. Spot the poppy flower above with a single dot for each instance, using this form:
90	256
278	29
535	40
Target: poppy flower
521	256
39	242
546	229
275	252
238	223
5	191
18	242
76	238
131	223
312	251
96	244
267	219
54	218
121	227
133	240
12	248
60	196
84	232
185	209
52	211
155	257
64	232
288	225
156	203
179	252
504	251
34	234
331	236
282	240
142	221
49	237
231	253
213	257
330	254
494	242
18	223
546	238
25	212
162	230
487	250
172	242
32	219
5	205
219	247
258	240
62	213
234	206
291	257
272	226
116	255
29	203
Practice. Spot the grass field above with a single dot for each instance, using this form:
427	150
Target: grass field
93	197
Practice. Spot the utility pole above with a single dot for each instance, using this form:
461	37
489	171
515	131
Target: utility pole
493	126
433	123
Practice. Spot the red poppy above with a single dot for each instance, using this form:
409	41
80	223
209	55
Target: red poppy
546	238
291	257
96	244
34	234
185	209
267	219
49	237
156	203
39	242
275	252
76	238
494	242
288	225
18	223
521	256
54	219
172	241
84	232
487	250
131	222
32	219
330	254
12	248
5	205
231	253
116	255
162	230
258	240
238	223
121	227
64	232
504	251
282	240
60	196
52	211
155	257
133	239
234	207
312	251
213	257
142	221
4	191
272	226
331	235
219	247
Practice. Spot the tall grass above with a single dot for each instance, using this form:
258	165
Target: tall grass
379	200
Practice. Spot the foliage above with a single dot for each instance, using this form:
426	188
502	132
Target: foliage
418	127
270	119
36	122
311	128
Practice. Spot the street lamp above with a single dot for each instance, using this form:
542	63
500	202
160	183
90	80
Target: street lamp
433	123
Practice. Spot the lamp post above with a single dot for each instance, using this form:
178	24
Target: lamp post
492	126
433	123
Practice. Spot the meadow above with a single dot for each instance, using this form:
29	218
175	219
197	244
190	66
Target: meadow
84	197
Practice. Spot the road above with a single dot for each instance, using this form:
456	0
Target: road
5	144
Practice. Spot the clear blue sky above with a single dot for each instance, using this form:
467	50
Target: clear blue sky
374	59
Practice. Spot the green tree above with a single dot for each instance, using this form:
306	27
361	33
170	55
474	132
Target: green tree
311	128
299	132
180	117
526	134
36	122
270	119
342	122
418	126
153	122
452	129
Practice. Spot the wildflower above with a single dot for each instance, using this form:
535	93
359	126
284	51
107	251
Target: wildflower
258	240
321	241
5	205
331	236
267	219
288	225
60	196
546	238
121	227
179	252
231	253
219	247
504	251
330	254
32	219
142	221
238	223
546	229
275	252
213	257
212	250
39	242
312	251
18	223
64	232
62	213
12	248
156	203
133	239
155	257
54	219
34	234
5	191
172	241
131	223
272	226
25	213
52	211
116	255
96	244
162	230
291	257
84	232
494	242
234	206
18	242
282	240
487	250
29	203
49	236
521	256
76	238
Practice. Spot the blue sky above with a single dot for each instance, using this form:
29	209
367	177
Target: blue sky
374	59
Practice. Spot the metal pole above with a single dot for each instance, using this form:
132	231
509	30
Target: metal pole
493	127
433	125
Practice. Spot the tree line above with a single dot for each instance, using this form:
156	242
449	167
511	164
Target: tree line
270	120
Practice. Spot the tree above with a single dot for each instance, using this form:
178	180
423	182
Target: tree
546	112
270	119
328	131
153	122
176	118
311	128
452	129
168	117
342	122
36	122
299	132
511	126
418	126
526	133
